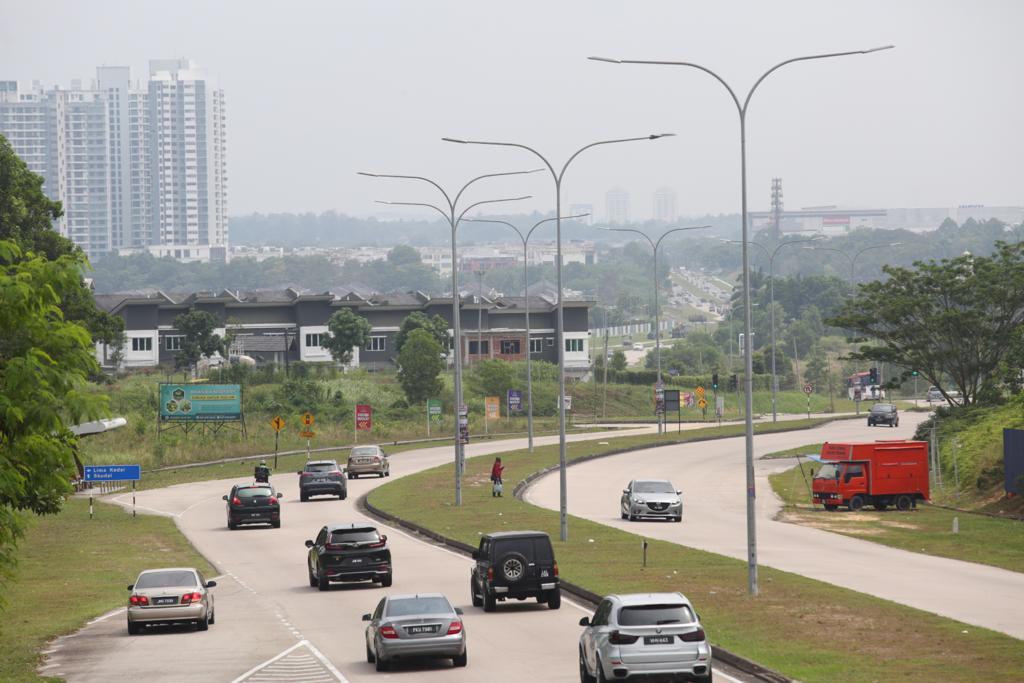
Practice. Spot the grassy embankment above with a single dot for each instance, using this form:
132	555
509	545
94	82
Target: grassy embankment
71	568
928	529
792	626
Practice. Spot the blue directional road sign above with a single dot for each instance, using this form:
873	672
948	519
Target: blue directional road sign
113	472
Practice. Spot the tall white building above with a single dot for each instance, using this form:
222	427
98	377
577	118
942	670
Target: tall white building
134	168
617	205
665	205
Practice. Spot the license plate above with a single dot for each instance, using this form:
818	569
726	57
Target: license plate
421	629
357	560
319	481
165	601
255	514
658	640
543	572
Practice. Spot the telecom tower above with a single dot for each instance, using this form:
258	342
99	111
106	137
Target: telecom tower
777	207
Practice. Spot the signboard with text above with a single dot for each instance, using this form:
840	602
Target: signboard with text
492	407
515	401
463	424
200	402
364	418
434	410
113	472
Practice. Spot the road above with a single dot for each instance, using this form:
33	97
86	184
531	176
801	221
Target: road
712	478
271	626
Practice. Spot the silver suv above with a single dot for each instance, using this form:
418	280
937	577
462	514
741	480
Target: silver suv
656	635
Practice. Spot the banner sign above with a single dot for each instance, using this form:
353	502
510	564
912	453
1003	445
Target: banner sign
515	401
200	402
434	408
463	424
492	407
113	472
364	418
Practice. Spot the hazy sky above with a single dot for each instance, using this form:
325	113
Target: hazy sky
318	90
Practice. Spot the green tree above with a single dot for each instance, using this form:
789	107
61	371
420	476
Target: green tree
417	320
494	377
45	361
419	367
346	330
618	361
404	255
200	339
957	318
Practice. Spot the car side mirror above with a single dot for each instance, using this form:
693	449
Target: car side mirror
458	610
131	586
626	491
383	538
475	555
366	617
679	493
299	473
211	584
585	621
223	497
309	544
279	494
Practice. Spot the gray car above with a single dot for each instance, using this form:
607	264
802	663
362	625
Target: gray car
644	636
171	595
651	498
414	626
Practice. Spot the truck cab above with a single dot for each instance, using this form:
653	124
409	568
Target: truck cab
880	474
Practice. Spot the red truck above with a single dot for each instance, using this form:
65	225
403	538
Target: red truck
879	473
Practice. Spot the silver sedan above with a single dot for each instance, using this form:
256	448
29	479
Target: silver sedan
412	626
651	498
172	595
368	460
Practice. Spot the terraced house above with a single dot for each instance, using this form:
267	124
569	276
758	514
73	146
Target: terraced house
277	326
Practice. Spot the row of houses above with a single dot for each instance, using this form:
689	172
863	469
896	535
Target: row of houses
278	326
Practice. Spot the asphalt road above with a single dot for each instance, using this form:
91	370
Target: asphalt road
272	626
712	477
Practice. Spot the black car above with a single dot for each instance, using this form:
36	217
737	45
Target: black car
348	552
883	413
514	564
253	504
320	478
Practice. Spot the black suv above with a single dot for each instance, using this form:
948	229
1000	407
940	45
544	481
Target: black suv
348	552
322	477
514	564
883	413
253	504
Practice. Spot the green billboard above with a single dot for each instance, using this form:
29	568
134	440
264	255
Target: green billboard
200	402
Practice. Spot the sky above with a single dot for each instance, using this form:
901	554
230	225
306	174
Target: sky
317	91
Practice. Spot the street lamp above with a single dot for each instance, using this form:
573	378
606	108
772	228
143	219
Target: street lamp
771	305
853	259
657	318
748	358
526	298
449	215
557	176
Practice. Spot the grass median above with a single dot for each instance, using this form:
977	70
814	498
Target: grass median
71	568
807	629
927	529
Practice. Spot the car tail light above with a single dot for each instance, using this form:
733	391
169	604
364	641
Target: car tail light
378	544
554	569
376	459
272	500
490	573
455	627
188	598
693	636
236	501
617	638
306	474
388	632
139	600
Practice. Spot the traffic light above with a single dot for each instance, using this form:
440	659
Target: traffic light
734	383
873	376
714	381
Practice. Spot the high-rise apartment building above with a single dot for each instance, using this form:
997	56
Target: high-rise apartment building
135	168
617	205
665	205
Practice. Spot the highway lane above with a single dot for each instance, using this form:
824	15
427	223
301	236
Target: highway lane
712	477
265	605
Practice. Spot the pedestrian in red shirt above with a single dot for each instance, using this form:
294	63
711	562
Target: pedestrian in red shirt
496	469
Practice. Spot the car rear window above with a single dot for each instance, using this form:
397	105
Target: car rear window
404	607
365	450
321	467
254	492
354	536
537	549
166	579
653	615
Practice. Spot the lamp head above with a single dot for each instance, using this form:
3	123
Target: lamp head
655	136
605	59
370	175
461	142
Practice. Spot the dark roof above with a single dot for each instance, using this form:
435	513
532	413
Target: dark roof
515	534
338	526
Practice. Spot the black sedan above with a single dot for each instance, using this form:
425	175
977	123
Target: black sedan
253	504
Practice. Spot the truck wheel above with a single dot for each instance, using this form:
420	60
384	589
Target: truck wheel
856	503
880	505
474	598
904	503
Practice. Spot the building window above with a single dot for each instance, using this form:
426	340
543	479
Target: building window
377	344
574	345
481	348
510	347
142	343
315	338
551	341
173	342
536	345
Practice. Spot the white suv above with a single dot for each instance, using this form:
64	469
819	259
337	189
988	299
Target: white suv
644	634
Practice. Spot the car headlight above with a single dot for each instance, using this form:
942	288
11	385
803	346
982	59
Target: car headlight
639	501
677	503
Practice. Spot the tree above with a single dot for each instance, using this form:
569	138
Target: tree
200	340
419	367
26	214
404	255
45	361
957	318
346	330
618	361
494	377
417	320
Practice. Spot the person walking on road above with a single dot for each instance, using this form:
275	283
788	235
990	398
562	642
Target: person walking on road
497	487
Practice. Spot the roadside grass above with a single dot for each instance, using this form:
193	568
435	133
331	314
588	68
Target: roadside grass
807	629
71	568
813	448
928	529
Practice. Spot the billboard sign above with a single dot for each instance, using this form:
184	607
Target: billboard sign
364	417
200	402
492	407
434	408
515	401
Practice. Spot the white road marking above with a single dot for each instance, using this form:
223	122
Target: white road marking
303	668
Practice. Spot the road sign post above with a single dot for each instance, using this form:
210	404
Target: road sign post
434	408
278	424
307	421
808	389
103	473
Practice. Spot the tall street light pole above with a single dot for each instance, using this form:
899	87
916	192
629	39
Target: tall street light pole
853	259
771	306
526	298
557	176
453	217
655	245
748	358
